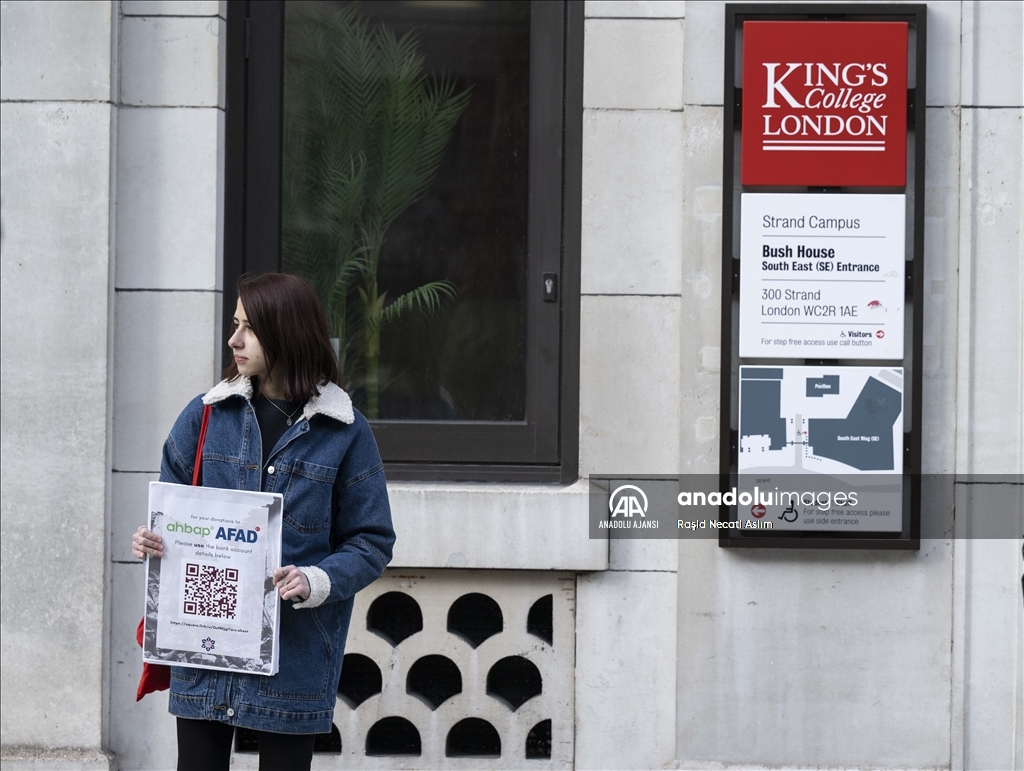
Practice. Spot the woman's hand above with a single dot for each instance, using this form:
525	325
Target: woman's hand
291	582
146	542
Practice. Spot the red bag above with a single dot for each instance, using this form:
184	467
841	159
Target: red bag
157	677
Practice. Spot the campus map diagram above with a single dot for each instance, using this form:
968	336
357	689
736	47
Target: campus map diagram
821	420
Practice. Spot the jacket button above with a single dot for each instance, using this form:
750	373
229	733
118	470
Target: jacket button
270	470
231	713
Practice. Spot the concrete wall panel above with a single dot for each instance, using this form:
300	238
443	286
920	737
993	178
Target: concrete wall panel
635	9
55	221
142	734
164	357
168	202
629	385
992	75
941	255
703	52
633	64
171	61
48	51
171	7
625	661
129	508
532	527
632	180
991	337
814	659
993	669
643	554
943	53
700	345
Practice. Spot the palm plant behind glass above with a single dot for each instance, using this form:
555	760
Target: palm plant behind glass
364	135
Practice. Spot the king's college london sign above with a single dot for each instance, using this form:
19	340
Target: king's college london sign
824	103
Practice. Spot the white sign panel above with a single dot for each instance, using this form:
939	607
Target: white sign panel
822	276
819	432
210	600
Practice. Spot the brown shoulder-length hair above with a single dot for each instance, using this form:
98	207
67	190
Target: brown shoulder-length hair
288	319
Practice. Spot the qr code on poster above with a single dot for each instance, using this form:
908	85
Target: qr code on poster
210	591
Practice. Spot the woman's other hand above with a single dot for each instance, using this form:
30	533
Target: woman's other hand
291	583
147	543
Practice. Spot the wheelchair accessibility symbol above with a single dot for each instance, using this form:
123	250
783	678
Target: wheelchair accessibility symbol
790	510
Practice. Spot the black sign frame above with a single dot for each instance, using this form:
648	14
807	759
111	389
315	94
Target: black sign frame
909	538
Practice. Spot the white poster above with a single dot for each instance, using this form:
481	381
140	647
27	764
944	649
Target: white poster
823	446
822	276
210	600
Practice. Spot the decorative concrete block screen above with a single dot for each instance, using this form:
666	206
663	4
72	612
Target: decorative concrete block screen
453	669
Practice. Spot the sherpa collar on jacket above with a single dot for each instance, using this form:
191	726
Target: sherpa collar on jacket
332	401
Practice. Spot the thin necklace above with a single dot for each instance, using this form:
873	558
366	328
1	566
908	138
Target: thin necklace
287	417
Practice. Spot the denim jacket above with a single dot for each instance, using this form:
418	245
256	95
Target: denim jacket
337	530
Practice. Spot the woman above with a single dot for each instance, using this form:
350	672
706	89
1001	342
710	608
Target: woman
280	423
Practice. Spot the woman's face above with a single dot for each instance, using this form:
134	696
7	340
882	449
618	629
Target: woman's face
246	348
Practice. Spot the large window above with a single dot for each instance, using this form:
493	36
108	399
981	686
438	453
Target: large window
419	163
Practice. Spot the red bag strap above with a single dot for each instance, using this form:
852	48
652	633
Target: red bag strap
157	677
197	471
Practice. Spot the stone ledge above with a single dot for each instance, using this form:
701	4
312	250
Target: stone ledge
22	758
517	527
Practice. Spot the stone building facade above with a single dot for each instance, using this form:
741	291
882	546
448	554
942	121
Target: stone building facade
651	654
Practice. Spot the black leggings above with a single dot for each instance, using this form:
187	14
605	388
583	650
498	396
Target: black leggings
205	745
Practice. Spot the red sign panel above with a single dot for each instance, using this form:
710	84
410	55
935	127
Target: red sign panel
824	103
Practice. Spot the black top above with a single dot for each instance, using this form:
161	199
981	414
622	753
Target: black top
272	417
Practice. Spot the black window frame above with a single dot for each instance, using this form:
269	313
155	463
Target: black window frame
545	446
